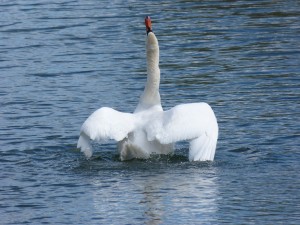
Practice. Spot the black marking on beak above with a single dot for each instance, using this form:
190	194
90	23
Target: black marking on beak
148	31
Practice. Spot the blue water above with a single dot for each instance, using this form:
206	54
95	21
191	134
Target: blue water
61	60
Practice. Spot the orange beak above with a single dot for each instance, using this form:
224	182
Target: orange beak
148	24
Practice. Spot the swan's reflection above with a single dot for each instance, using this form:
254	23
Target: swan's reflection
175	197
153	198
158	198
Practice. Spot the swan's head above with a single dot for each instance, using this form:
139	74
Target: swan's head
152	42
148	24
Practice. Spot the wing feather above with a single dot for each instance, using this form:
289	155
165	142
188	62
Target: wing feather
105	123
195	122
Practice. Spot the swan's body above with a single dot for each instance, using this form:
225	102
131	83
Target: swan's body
150	129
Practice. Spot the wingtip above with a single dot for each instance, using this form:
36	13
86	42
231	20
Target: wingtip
202	149
85	146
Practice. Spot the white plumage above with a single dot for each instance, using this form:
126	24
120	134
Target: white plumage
149	129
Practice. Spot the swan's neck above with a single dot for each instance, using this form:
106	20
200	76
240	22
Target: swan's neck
153	75
150	96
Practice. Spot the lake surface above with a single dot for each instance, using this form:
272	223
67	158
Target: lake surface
61	60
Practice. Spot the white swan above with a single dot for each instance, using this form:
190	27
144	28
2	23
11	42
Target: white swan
150	129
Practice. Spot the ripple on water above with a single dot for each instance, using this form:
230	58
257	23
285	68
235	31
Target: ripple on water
61	60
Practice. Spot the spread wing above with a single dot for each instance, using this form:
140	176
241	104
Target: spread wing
103	124
195	122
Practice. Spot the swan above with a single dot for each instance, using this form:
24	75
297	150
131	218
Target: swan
149	129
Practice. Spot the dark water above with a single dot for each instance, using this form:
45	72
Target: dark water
61	60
